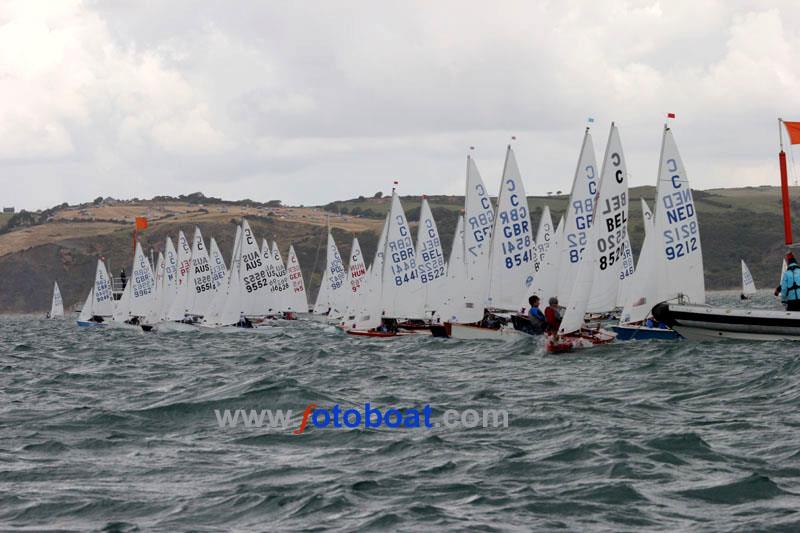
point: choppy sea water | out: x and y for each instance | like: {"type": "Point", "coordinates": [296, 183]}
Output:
{"type": "Point", "coordinates": [113, 429]}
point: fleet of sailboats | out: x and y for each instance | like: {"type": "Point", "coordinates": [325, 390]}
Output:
{"type": "Point", "coordinates": [583, 265]}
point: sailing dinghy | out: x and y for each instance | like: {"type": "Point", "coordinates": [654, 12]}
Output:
{"type": "Point", "coordinates": [332, 296]}
{"type": "Point", "coordinates": [98, 307]}
{"type": "Point", "coordinates": [137, 299]}
{"type": "Point", "coordinates": [57, 305]}
{"type": "Point", "coordinates": [748, 285]}
{"type": "Point", "coordinates": [671, 260]}
{"type": "Point", "coordinates": [510, 263]}
{"type": "Point", "coordinates": [597, 278]}
{"type": "Point", "coordinates": [298, 301]}
{"type": "Point", "coordinates": [399, 297]}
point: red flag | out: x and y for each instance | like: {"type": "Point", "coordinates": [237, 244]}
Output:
{"type": "Point", "coordinates": [670, 115]}
{"type": "Point", "coordinates": [794, 131]}
{"type": "Point", "coordinates": [141, 223]}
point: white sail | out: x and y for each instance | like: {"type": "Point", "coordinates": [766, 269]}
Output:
{"type": "Point", "coordinates": [103, 304]}
{"type": "Point", "coordinates": [177, 307]}
{"type": "Point", "coordinates": [332, 299]}
{"type": "Point", "coordinates": [512, 259]}
{"type": "Point", "coordinates": [169, 286]}
{"type": "Point", "coordinates": [122, 308]}
{"type": "Point", "coordinates": [201, 282]}
{"type": "Point", "coordinates": [356, 281]}
{"type": "Point", "coordinates": [279, 283]}
{"type": "Point", "coordinates": [577, 220]}
{"type": "Point", "coordinates": [478, 224]}
{"type": "Point", "coordinates": [454, 306]}
{"type": "Point", "coordinates": [626, 272]}
{"type": "Point", "coordinates": [253, 274]}
{"type": "Point", "coordinates": [86, 311]}
{"type": "Point", "coordinates": [236, 256]}
{"type": "Point", "coordinates": [748, 285]}
{"type": "Point", "coordinates": [323, 304]}
{"type": "Point", "coordinates": [153, 315]}
{"type": "Point", "coordinates": [545, 282]}
{"type": "Point", "coordinates": [142, 284]}
{"type": "Point", "coordinates": [430, 261]}
{"type": "Point", "coordinates": [597, 282]}
{"type": "Point", "coordinates": [401, 284]}
{"type": "Point", "coordinates": [544, 235]}
{"type": "Point", "coordinates": [611, 223]}
{"type": "Point", "coordinates": [642, 294]}
{"type": "Point", "coordinates": [370, 310]}
{"type": "Point", "coordinates": [298, 302]}
{"type": "Point", "coordinates": [218, 269]}
{"type": "Point", "coordinates": [648, 218]}
{"type": "Point", "coordinates": [226, 306]}
{"type": "Point", "coordinates": [57, 305]}
{"type": "Point", "coordinates": [681, 272]}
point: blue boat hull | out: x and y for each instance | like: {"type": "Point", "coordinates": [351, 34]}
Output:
{"type": "Point", "coordinates": [89, 324]}
{"type": "Point", "coordinates": [642, 333]}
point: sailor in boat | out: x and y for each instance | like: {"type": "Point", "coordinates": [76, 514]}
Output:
{"type": "Point", "coordinates": [553, 315]}
{"type": "Point", "coordinates": [535, 314]}
{"type": "Point", "coordinates": [790, 285]}
{"type": "Point", "coordinates": [123, 278]}
{"type": "Point", "coordinates": [244, 322]}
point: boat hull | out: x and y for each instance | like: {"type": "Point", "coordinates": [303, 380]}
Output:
{"type": "Point", "coordinates": [473, 332]}
{"type": "Point", "coordinates": [642, 333]}
{"type": "Point", "coordinates": [578, 340]}
{"type": "Point", "coordinates": [90, 324]}
{"type": "Point", "coordinates": [700, 323]}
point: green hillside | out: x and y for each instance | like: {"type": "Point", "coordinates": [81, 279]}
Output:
{"type": "Point", "coordinates": [735, 224]}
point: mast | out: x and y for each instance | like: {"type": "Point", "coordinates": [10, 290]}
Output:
{"type": "Point", "coordinates": [787, 214]}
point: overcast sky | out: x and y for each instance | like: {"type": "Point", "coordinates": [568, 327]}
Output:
{"type": "Point", "coordinates": [309, 102]}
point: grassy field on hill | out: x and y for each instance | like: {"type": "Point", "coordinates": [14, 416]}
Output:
{"type": "Point", "coordinates": [63, 244]}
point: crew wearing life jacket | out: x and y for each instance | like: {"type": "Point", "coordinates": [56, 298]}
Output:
{"type": "Point", "coordinates": [790, 285]}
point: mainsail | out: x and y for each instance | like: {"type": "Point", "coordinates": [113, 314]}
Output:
{"type": "Point", "coordinates": [298, 301]}
{"type": "Point", "coordinates": [512, 259]}
{"type": "Point", "coordinates": [681, 272]}
{"type": "Point", "coordinates": [578, 218]}
{"type": "Point", "coordinates": [142, 285]}
{"type": "Point", "coordinates": [332, 297]}
{"type": "Point", "coordinates": [218, 268]}
{"type": "Point", "coordinates": [57, 305]}
{"type": "Point", "coordinates": [356, 281]}
{"type": "Point", "coordinates": [102, 304]}
{"type": "Point", "coordinates": [748, 285]}
{"type": "Point", "coordinates": [478, 223]}
{"type": "Point", "coordinates": [400, 276]}
{"type": "Point", "coordinates": [597, 282]}
{"type": "Point", "coordinates": [544, 236]}
{"type": "Point", "coordinates": [430, 261]}
{"type": "Point", "coordinates": [280, 282]}
{"type": "Point", "coordinates": [252, 274]}
{"type": "Point", "coordinates": [454, 308]}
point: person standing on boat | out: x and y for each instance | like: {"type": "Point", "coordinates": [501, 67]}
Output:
{"type": "Point", "coordinates": [790, 285]}
{"type": "Point", "coordinates": [123, 277]}
{"type": "Point", "coordinates": [553, 316]}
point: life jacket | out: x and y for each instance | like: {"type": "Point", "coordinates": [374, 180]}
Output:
{"type": "Point", "coordinates": [791, 279]}
{"type": "Point", "coordinates": [536, 314]}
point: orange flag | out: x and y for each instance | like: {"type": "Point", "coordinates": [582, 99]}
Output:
{"type": "Point", "coordinates": [141, 223]}
{"type": "Point", "coordinates": [794, 131]}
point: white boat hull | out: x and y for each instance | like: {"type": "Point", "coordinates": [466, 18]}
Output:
{"type": "Point", "coordinates": [470, 332]}
{"type": "Point", "coordinates": [700, 323]}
